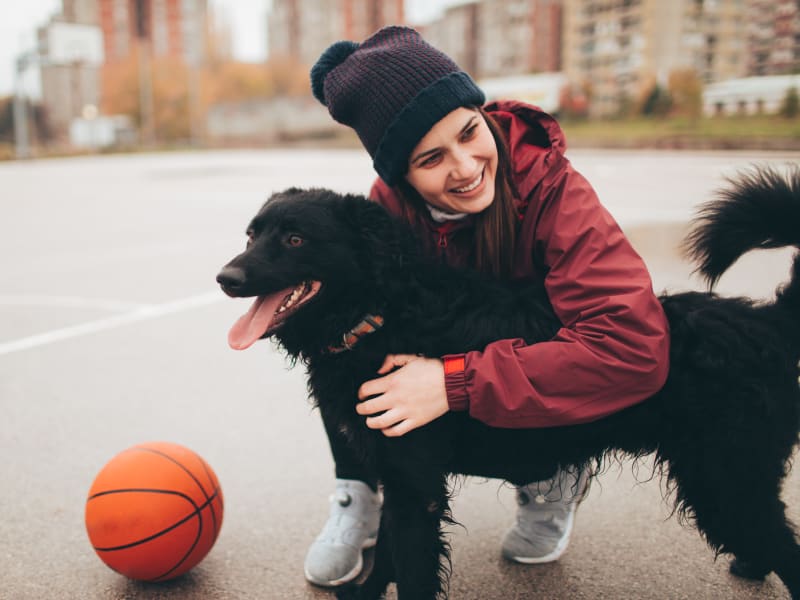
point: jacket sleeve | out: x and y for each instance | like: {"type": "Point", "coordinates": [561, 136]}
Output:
{"type": "Point", "coordinates": [612, 351]}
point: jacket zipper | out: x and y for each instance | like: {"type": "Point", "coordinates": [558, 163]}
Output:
{"type": "Point", "coordinates": [445, 230]}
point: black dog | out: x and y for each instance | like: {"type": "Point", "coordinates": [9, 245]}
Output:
{"type": "Point", "coordinates": [722, 429]}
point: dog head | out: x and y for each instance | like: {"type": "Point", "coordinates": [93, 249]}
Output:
{"type": "Point", "coordinates": [314, 260]}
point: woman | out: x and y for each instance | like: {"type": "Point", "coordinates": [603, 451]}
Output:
{"type": "Point", "coordinates": [488, 187]}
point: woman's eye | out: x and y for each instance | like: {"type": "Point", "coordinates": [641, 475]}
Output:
{"type": "Point", "coordinates": [469, 133]}
{"type": "Point", "coordinates": [295, 240]}
{"type": "Point", "coordinates": [430, 161]}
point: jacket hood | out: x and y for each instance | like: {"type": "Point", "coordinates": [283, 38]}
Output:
{"type": "Point", "coordinates": [536, 142]}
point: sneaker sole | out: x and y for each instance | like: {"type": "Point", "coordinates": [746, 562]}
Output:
{"type": "Point", "coordinates": [350, 576]}
{"type": "Point", "coordinates": [560, 548]}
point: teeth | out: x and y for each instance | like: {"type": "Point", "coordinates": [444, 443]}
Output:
{"type": "Point", "coordinates": [471, 186]}
{"type": "Point", "coordinates": [293, 297]}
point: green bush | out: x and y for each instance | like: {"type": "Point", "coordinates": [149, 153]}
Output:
{"type": "Point", "coordinates": [791, 104]}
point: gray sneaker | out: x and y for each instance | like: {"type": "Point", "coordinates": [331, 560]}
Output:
{"type": "Point", "coordinates": [335, 558]}
{"type": "Point", "coordinates": [545, 516]}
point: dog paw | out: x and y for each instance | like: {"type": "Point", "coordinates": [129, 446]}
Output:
{"type": "Point", "coordinates": [357, 592]}
{"type": "Point", "coordinates": [747, 570]}
{"type": "Point", "coordinates": [349, 592]}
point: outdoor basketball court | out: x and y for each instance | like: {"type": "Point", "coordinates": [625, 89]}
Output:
{"type": "Point", "coordinates": [113, 333]}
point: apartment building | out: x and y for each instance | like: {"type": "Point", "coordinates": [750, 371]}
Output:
{"type": "Point", "coordinates": [457, 34]}
{"type": "Point", "coordinates": [619, 48]}
{"type": "Point", "coordinates": [70, 64]}
{"type": "Point", "coordinates": [303, 29]}
{"type": "Point", "coordinates": [546, 24]}
{"type": "Point", "coordinates": [773, 37]}
{"type": "Point", "coordinates": [80, 11]}
{"type": "Point", "coordinates": [171, 28]}
{"type": "Point", "coordinates": [499, 38]}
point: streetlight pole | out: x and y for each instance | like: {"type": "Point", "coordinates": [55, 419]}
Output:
{"type": "Point", "coordinates": [21, 136]}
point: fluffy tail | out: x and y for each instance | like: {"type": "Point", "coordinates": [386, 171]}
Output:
{"type": "Point", "coordinates": [759, 209]}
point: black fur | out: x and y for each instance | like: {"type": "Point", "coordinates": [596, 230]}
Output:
{"type": "Point", "coordinates": [722, 429]}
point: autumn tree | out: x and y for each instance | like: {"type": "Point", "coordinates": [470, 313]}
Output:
{"type": "Point", "coordinates": [686, 91]}
{"type": "Point", "coordinates": [167, 80]}
{"type": "Point", "coordinates": [287, 77]}
{"type": "Point", "coordinates": [654, 101]}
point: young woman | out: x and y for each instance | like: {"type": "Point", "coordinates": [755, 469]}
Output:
{"type": "Point", "coordinates": [487, 187]}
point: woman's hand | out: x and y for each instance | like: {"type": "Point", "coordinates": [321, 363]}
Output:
{"type": "Point", "coordinates": [410, 397]}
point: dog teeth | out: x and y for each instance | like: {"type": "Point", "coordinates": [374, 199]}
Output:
{"type": "Point", "coordinates": [293, 298]}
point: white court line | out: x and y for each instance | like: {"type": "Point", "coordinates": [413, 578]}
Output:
{"type": "Point", "coordinates": [68, 302]}
{"type": "Point", "coordinates": [142, 313]}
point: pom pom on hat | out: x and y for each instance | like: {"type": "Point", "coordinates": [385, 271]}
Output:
{"type": "Point", "coordinates": [391, 89]}
{"type": "Point", "coordinates": [335, 55]}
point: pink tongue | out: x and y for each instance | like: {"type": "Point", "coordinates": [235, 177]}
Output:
{"type": "Point", "coordinates": [252, 325]}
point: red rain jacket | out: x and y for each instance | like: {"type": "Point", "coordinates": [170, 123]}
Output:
{"type": "Point", "coordinates": [612, 352]}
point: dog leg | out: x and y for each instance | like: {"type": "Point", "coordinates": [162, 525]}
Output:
{"type": "Point", "coordinates": [415, 508]}
{"type": "Point", "coordinates": [411, 548]}
{"type": "Point", "coordinates": [382, 573]}
{"type": "Point", "coordinates": [739, 512]}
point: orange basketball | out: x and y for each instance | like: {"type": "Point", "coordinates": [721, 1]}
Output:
{"type": "Point", "coordinates": [154, 511]}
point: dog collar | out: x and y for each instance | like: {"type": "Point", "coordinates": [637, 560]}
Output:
{"type": "Point", "coordinates": [367, 325]}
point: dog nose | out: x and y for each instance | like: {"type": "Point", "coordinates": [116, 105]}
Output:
{"type": "Point", "coordinates": [231, 278]}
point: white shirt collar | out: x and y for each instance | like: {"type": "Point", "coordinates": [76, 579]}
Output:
{"type": "Point", "coordinates": [441, 216]}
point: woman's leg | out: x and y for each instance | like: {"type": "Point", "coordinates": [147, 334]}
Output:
{"type": "Point", "coordinates": [335, 556]}
{"type": "Point", "coordinates": [545, 515]}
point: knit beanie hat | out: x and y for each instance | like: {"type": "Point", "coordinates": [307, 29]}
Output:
{"type": "Point", "coordinates": [391, 89]}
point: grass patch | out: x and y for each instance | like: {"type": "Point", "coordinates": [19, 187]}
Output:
{"type": "Point", "coordinates": [756, 132]}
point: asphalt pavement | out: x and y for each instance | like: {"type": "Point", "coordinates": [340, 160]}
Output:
{"type": "Point", "coordinates": [113, 333]}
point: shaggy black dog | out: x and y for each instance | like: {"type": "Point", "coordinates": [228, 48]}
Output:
{"type": "Point", "coordinates": [722, 429]}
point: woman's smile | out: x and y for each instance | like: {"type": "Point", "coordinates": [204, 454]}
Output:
{"type": "Point", "coordinates": [454, 166]}
{"type": "Point", "coordinates": [471, 186]}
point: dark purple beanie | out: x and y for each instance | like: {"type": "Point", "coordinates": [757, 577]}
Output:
{"type": "Point", "coordinates": [392, 88]}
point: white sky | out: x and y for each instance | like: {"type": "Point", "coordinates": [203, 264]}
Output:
{"type": "Point", "coordinates": [20, 18]}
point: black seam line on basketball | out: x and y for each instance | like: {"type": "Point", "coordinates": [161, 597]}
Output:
{"type": "Point", "coordinates": [187, 471]}
{"type": "Point", "coordinates": [195, 513]}
{"type": "Point", "coordinates": [147, 490]}
{"type": "Point", "coordinates": [197, 537]}
{"type": "Point", "coordinates": [207, 469]}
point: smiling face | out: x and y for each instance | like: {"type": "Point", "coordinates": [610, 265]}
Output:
{"type": "Point", "coordinates": [455, 165]}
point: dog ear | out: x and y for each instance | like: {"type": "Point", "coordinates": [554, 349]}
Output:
{"type": "Point", "coordinates": [386, 243]}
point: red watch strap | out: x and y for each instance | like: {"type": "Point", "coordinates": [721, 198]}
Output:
{"type": "Point", "coordinates": [453, 364]}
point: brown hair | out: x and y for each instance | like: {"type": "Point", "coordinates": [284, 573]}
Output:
{"type": "Point", "coordinates": [496, 225]}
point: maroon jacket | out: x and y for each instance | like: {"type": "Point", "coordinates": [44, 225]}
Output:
{"type": "Point", "coordinates": [613, 349]}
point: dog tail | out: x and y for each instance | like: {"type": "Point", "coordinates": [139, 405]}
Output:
{"type": "Point", "coordinates": [760, 209]}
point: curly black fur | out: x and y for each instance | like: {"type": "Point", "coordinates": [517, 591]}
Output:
{"type": "Point", "coordinates": [722, 429]}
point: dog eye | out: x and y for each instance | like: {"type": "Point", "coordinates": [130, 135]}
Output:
{"type": "Point", "coordinates": [294, 240]}
{"type": "Point", "coordinates": [250, 237]}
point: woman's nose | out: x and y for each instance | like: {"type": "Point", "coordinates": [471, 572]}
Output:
{"type": "Point", "coordinates": [463, 165]}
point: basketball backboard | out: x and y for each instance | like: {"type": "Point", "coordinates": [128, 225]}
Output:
{"type": "Point", "coordinates": [69, 43]}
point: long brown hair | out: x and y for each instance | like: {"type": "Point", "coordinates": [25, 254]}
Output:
{"type": "Point", "coordinates": [495, 226]}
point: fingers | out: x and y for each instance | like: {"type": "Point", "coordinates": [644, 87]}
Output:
{"type": "Point", "coordinates": [392, 361]}
{"type": "Point", "coordinates": [373, 387]}
{"type": "Point", "coordinates": [386, 420]}
{"type": "Point", "coordinates": [391, 424]}
{"type": "Point", "coordinates": [401, 428]}
{"type": "Point", "coordinates": [373, 406]}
